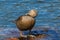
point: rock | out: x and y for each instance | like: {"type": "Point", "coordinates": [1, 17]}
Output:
{"type": "Point", "coordinates": [12, 39]}
{"type": "Point", "coordinates": [41, 36]}
{"type": "Point", "coordinates": [22, 38]}
{"type": "Point", "coordinates": [29, 37]}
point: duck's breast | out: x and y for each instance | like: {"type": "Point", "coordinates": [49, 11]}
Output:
{"type": "Point", "coordinates": [26, 22]}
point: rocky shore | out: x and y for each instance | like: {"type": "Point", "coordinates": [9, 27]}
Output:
{"type": "Point", "coordinates": [29, 37]}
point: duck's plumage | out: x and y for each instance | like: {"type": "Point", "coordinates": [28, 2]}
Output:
{"type": "Point", "coordinates": [25, 23]}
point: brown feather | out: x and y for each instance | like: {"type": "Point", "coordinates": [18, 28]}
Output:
{"type": "Point", "coordinates": [25, 23]}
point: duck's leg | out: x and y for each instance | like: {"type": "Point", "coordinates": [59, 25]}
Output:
{"type": "Point", "coordinates": [21, 34]}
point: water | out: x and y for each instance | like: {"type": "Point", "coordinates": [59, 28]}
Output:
{"type": "Point", "coordinates": [48, 15]}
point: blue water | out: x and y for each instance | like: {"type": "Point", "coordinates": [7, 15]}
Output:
{"type": "Point", "coordinates": [48, 16]}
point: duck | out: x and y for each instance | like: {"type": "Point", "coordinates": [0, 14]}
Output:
{"type": "Point", "coordinates": [26, 22]}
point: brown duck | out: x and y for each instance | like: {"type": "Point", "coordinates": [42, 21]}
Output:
{"type": "Point", "coordinates": [26, 22]}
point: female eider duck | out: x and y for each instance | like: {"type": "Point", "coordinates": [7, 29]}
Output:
{"type": "Point", "coordinates": [26, 22]}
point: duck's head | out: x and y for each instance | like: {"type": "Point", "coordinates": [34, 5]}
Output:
{"type": "Point", "coordinates": [32, 13]}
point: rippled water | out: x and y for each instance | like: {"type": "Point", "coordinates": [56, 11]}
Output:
{"type": "Point", "coordinates": [48, 14]}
